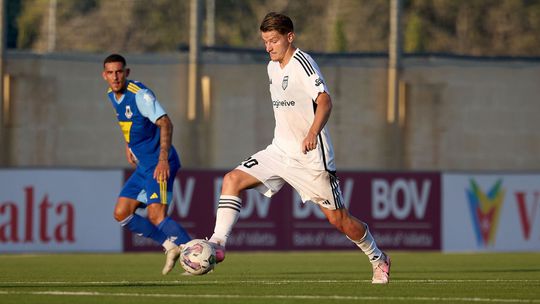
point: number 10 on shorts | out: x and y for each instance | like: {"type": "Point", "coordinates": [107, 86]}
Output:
{"type": "Point", "coordinates": [250, 162]}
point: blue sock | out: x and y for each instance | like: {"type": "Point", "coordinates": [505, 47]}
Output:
{"type": "Point", "coordinates": [174, 231]}
{"type": "Point", "coordinates": [140, 225]}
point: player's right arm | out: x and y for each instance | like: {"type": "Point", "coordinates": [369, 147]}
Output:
{"type": "Point", "coordinates": [324, 108]}
{"type": "Point", "coordinates": [130, 157]}
{"type": "Point", "coordinates": [316, 88]}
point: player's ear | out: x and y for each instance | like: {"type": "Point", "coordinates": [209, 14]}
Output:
{"type": "Point", "coordinates": [104, 75]}
{"type": "Point", "coordinates": [290, 37]}
{"type": "Point", "coordinates": [127, 72]}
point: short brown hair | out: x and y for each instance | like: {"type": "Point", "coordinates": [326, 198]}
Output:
{"type": "Point", "coordinates": [115, 58]}
{"type": "Point", "coordinates": [277, 22]}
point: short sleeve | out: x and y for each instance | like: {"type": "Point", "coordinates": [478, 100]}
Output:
{"type": "Point", "coordinates": [148, 105]}
{"type": "Point", "coordinates": [312, 78]}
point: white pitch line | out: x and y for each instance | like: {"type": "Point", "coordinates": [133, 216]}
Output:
{"type": "Point", "coordinates": [263, 282]}
{"type": "Point", "coordinates": [296, 297]}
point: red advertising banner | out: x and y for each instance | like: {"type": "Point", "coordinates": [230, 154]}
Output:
{"type": "Point", "coordinates": [402, 210]}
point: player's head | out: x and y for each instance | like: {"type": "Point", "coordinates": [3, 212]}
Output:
{"type": "Point", "coordinates": [115, 72]}
{"type": "Point", "coordinates": [277, 32]}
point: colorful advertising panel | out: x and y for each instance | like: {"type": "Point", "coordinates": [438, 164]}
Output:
{"type": "Point", "coordinates": [402, 210]}
{"type": "Point", "coordinates": [491, 212]}
{"type": "Point", "coordinates": [59, 211]}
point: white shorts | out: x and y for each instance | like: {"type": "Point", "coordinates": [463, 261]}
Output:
{"type": "Point", "coordinates": [274, 169]}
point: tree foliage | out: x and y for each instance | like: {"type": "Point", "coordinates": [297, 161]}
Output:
{"type": "Point", "coordinates": [479, 27]}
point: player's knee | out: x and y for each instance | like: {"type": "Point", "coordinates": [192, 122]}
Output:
{"type": "Point", "coordinates": [156, 213]}
{"type": "Point", "coordinates": [232, 182]}
{"type": "Point", "coordinates": [124, 208]}
{"type": "Point", "coordinates": [120, 214]}
{"type": "Point", "coordinates": [155, 219]}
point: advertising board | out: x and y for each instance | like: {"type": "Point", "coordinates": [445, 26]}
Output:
{"type": "Point", "coordinates": [491, 212]}
{"type": "Point", "coordinates": [401, 209]}
{"type": "Point", "coordinates": [59, 210]}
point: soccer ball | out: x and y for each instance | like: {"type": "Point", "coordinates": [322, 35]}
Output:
{"type": "Point", "coordinates": [198, 257]}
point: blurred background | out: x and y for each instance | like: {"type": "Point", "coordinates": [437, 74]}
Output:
{"type": "Point", "coordinates": [435, 118]}
{"type": "Point", "coordinates": [476, 28]}
{"type": "Point", "coordinates": [452, 85]}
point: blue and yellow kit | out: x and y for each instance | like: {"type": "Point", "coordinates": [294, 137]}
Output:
{"type": "Point", "coordinates": [137, 111]}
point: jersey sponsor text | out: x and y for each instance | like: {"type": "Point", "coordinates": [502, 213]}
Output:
{"type": "Point", "coordinates": [283, 103]}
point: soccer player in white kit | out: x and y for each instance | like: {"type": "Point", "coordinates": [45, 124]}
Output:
{"type": "Point", "coordinates": [301, 153]}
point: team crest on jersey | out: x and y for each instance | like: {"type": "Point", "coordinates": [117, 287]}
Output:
{"type": "Point", "coordinates": [129, 114]}
{"type": "Point", "coordinates": [285, 82]}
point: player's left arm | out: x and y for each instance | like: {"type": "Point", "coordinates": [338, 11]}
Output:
{"type": "Point", "coordinates": [150, 108]}
{"type": "Point", "coordinates": [162, 171]}
{"type": "Point", "coordinates": [322, 114]}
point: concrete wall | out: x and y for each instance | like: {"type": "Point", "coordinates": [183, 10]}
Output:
{"type": "Point", "coordinates": [469, 115]}
{"type": "Point", "coordinates": [461, 114]}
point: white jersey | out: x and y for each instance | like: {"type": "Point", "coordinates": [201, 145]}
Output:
{"type": "Point", "coordinates": [294, 90]}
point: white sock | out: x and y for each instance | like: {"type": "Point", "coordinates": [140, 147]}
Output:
{"type": "Point", "coordinates": [369, 247]}
{"type": "Point", "coordinates": [168, 245]}
{"type": "Point", "coordinates": [227, 215]}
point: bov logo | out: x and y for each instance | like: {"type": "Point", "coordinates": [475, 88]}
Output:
{"type": "Point", "coordinates": [485, 209]}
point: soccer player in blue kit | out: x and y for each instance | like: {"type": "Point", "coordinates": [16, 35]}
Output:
{"type": "Point", "coordinates": [148, 133]}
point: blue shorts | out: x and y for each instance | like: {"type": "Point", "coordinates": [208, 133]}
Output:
{"type": "Point", "coordinates": [142, 186]}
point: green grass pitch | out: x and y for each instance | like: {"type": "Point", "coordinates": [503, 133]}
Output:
{"type": "Point", "coordinates": [271, 277]}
